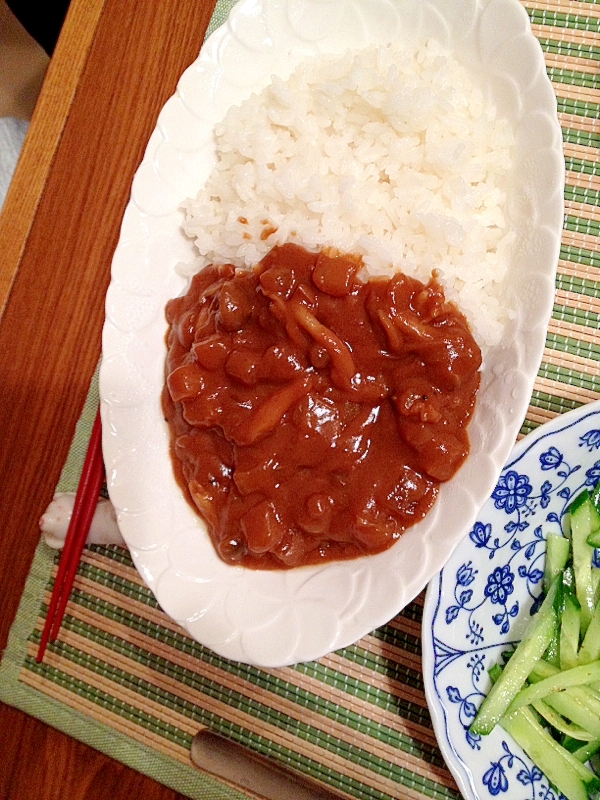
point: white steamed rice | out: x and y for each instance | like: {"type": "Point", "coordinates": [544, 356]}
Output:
{"type": "Point", "coordinates": [392, 155]}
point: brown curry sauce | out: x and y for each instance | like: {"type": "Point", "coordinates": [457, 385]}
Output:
{"type": "Point", "coordinates": [313, 416]}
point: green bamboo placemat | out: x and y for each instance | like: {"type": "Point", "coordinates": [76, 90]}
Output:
{"type": "Point", "coordinates": [128, 681]}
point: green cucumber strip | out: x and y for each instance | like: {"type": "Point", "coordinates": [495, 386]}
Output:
{"type": "Point", "coordinates": [568, 742]}
{"type": "Point", "coordinates": [590, 647]}
{"type": "Point", "coordinates": [554, 718]}
{"type": "Point", "coordinates": [542, 669]}
{"type": "Point", "coordinates": [559, 766]}
{"type": "Point", "coordinates": [566, 588]}
{"type": "Point", "coordinates": [571, 677]}
{"type": "Point", "coordinates": [586, 695]}
{"type": "Point", "coordinates": [565, 524]}
{"type": "Point", "coordinates": [568, 577]}
{"type": "Point", "coordinates": [595, 510]}
{"type": "Point", "coordinates": [595, 497]}
{"type": "Point", "coordinates": [581, 527]}
{"type": "Point", "coordinates": [594, 763]}
{"type": "Point", "coordinates": [586, 751]}
{"type": "Point", "coordinates": [570, 704]}
{"type": "Point", "coordinates": [557, 553]}
{"type": "Point", "coordinates": [594, 688]}
{"type": "Point", "coordinates": [570, 625]}
{"type": "Point", "coordinates": [552, 654]}
{"type": "Point", "coordinates": [596, 583]}
{"type": "Point", "coordinates": [583, 498]}
{"type": "Point", "coordinates": [527, 721]}
{"type": "Point", "coordinates": [530, 649]}
{"type": "Point", "coordinates": [594, 538]}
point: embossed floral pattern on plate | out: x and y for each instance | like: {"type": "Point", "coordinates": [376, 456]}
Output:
{"type": "Point", "coordinates": [478, 605]}
{"type": "Point", "coordinates": [276, 619]}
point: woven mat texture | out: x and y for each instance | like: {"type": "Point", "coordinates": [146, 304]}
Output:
{"type": "Point", "coordinates": [127, 680]}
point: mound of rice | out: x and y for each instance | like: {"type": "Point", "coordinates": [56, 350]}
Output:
{"type": "Point", "coordinates": [392, 155]}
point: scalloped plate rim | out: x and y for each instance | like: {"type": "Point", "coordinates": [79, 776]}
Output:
{"type": "Point", "coordinates": [354, 627]}
{"type": "Point", "coordinates": [442, 726]}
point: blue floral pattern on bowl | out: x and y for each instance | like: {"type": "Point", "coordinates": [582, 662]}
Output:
{"type": "Point", "coordinates": [478, 605]}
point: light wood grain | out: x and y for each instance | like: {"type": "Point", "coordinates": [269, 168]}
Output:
{"type": "Point", "coordinates": [48, 765]}
{"type": "Point", "coordinates": [114, 67]}
{"type": "Point", "coordinates": [49, 118]}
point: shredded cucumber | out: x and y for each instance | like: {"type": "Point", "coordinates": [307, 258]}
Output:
{"type": "Point", "coordinates": [529, 650]}
{"type": "Point", "coordinates": [547, 695]}
{"type": "Point", "coordinates": [569, 632]}
{"type": "Point", "coordinates": [572, 705]}
{"type": "Point", "coordinates": [542, 669]}
{"type": "Point", "coordinates": [590, 647]}
{"type": "Point", "coordinates": [581, 528]}
{"type": "Point", "coordinates": [557, 555]}
{"type": "Point", "coordinates": [594, 538]}
{"type": "Point", "coordinates": [560, 767]}
{"type": "Point", "coordinates": [577, 676]}
{"type": "Point", "coordinates": [570, 731]}
{"type": "Point", "coordinates": [595, 508]}
{"type": "Point", "coordinates": [586, 751]}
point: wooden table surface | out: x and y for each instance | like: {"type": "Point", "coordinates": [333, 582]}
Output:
{"type": "Point", "coordinates": [114, 67]}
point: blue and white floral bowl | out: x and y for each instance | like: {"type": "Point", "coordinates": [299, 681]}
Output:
{"type": "Point", "coordinates": [479, 604]}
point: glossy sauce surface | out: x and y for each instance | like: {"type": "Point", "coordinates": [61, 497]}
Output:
{"type": "Point", "coordinates": [313, 416]}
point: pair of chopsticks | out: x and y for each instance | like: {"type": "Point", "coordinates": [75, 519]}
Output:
{"type": "Point", "coordinates": [86, 499]}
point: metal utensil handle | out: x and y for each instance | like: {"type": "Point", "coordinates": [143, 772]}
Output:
{"type": "Point", "coordinates": [249, 770]}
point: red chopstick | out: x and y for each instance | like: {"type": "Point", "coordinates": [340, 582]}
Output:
{"type": "Point", "coordinates": [86, 499]}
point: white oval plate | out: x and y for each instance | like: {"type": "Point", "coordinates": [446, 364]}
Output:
{"type": "Point", "coordinates": [278, 618]}
{"type": "Point", "coordinates": [482, 599]}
